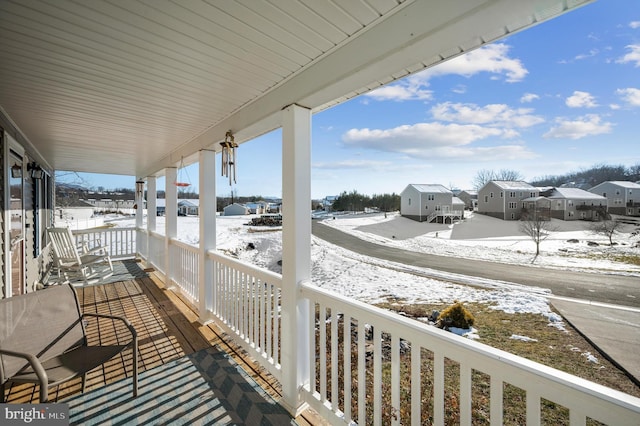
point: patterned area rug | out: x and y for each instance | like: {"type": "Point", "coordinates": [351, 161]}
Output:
{"type": "Point", "coordinates": [204, 388]}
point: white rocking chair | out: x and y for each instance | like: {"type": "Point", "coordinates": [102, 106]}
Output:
{"type": "Point", "coordinates": [72, 262]}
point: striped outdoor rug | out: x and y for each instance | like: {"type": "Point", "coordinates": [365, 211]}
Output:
{"type": "Point", "coordinates": [204, 388]}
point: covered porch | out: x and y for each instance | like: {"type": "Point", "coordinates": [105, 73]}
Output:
{"type": "Point", "coordinates": [138, 88]}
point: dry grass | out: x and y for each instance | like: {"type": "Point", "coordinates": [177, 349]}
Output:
{"type": "Point", "coordinates": [562, 350]}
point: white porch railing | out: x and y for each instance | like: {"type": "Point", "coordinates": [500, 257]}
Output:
{"type": "Point", "coordinates": [372, 366]}
{"type": "Point", "coordinates": [120, 241]}
{"type": "Point", "coordinates": [184, 268]}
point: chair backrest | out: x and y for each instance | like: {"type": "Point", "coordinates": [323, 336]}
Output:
{"type": "Point", "coordinates": [64, 245]}
{"type": "Point", "coordinates": [44, 323]}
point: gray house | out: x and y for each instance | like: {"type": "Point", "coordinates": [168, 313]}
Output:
{"type": "Point", "coordinates": [431, 203]}
{"type": "Point", "coordinates": [504, 199]}
{"type": "Point", "coordinates": [623, 197]}
{"type": "Point", "coordinates": [470, 198]}
{"type": "Point", "coordinates": [576, 203]}
{"type": "Point", "coordinates": [235, 209]}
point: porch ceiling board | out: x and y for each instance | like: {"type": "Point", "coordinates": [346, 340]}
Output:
{"type": "Point", "coordinates": [131, 86]}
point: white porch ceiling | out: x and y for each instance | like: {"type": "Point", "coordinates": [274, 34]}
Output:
{"type": "Point", "coordinates": [131, 86]}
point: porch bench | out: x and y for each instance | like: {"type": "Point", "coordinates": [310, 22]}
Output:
{"type": "Point", "coordinates": [43, 340]}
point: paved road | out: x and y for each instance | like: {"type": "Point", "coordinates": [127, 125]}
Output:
{"type": "Point", "coordinates": [596, 287]}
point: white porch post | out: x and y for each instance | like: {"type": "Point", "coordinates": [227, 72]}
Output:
{"type": "Point", "coordinates": [139, 203]}
{"type": "Point", "coordinates": [296, 252]}
{"type": "Point", "coordinates": [207, 216]}
{"type": "Point", "coordinates": [171, 220]}
{"type": "Point", "coordinates": [152, 213]}
{"type": "Point", "coordinates": [152, 205]}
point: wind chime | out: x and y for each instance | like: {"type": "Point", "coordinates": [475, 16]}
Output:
{"type": "Point", "coordinates": [229, 157]}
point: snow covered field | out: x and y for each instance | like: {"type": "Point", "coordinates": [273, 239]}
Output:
{"type": "Point", "coordinates": [479, 237]}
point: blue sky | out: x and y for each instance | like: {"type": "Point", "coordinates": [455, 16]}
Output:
{"type": "Point", "coordinates": [557, 98]}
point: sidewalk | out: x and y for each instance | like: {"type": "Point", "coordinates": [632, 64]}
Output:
{"type": "Point", "coordinates": [614, 330]}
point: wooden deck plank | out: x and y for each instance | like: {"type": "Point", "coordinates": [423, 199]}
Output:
{"type": "Point", "coordinates": [168, 328]}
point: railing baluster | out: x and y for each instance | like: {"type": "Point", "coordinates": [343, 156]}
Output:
{"type": "Point", "coordinates": [362, 370]}
{"type": "Point", "coordinates": [496, 395]}
{"type": "Point", "coordinates": [465, 394]}
{"type": "Point", "coordinates": [395, 379]}
{"type": "Point", "coordinates": [438, 388]}
{"type": "Point", "coordinates": [322, 323]}
{"type": "Point", "coordinates": [334, 360]}
{"type": "Point", "coordinates": [377, 376]}
{"type": "Point", "coordinates": [533, 407]}
{"type": "Point", "coordinates": [346, 350]}
{"type": "Point", "coordinates": [416, 385]}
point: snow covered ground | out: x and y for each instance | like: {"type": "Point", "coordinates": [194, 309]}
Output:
{"type": "Point", "coordinates": [479, 237]}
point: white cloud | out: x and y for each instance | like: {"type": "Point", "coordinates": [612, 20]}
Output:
{"type": "Point", "coordinates": [634, 24]}
{"type": "Point", "coordinates": [588, 125]}
{"type": "Point", "coordinates": [591, 54]}
{"type": "Point", "coordinates": [493, 59]}
{"type": "Point", "coordinates": [493, 114]}
{"type": "Point", "coordinates": [436, 141]}
{"type": "Point", "coordinates": [581, 100]}
{"type": "Point", "coordinates": [630, 95]}
{"type": "Point", "coordinates": [529, 97]}
{"type": "Point", "coordinates": [399, 92]}
{"type": "Point", "coordinates": [633, 56]}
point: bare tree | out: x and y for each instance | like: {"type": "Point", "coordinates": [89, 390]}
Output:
{"type": "Point", "coordinates": [606, 227]}
{"type": "Point", "coordinates": [537, 227]}
{"type": "Point", "coordinates": [510, 175]}
{"type": "Point", "coordinates": [484, 176]}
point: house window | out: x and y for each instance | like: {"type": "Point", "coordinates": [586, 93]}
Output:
{"type": "Point", "coordinates": [431, 197]}
{"type": "Point", "coordinates": [617, 192]}
{"type": "Point", "coordinates": [570, 214]}
{"type": "Point", "coordinates": [513, 205]}
{"type": "Point", "coordinates": [491, 194]}
{"type": "Point", "coordinates": [438, 208]}
{"type": "Point", "coordinates": [501, 194]}
{"type": "Point", "coordinates": [512, 194]}
{"type": "Point", "coordinates": [486, 199]}
{"type": "Point", "coordinates": [604, 194]}
{"type": "Point", "coordinates": [570, 202]}
{"type": "Point", "coordinates": [409, 202]}
{"type": "Point", "coordinates": [513, 215]}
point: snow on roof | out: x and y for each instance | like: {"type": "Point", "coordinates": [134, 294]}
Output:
{"type": "Point", "coordinates": [575, 194]}
{"type": "Point", "coordinates": [430, 188]}
{"type": "Point", "coordinates": [513, 184]}
{"type": "Point", "coordinates": [625, 184]}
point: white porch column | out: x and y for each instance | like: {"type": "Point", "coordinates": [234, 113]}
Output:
{"type": "Point", "coordinates": [296, 252]}
{"type": "Point", "coordinates": [207, 216]}
{"type": "Point", "coordinates": [152, 205]}
{"type": "Point", "coordinates": [139, 203]}
{"type": "Point", "coordinates": [171, 219]}
{"type": "Point", "coordinates": [152, 214]}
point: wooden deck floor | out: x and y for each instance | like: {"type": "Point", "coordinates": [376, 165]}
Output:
{"type": "Point", "coordinates": [167, 329]}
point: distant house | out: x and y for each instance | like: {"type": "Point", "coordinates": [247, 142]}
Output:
{"type": "Point", "coordinates": [623, 198]}
{"type": "Point", "coordinates": [259, 207]}
{"type": "Point", "coordinates": [431, 203]}
{"type": "Point", "coordinates": [502, 199]}
{"type": "Point", "coordinates": [235, 209]}
{"type": "Point", "coordinates": [327, 202]}
{"type": "Point", "coordinates": [188, 207]}
{"type": "Point", "coordinates": [470, 198]}
{"type": "Point", "coordinates": [575, 203]}
{"type": "Point", "coordinates": [160, 207]}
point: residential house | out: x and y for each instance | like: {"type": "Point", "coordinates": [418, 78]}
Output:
{"type": "Point", "coordinates": [503, 198]}
{"type": "Point", "coordinates": [161, 71]}
{"type": "Point", "coordinates": [576, 203]}
{"type": "Point", "coordinates": [431, 203]}
{"type": "Point", "coordinates": [188, 207]}
{"type": "Point", "coordinates": [327, 202]}
{"type": "Point", "coordinates": [623, 198]}
{"type": "Point", "coordinates": [470, 198]}
{"type": "Point", "coordinates": [258, 207]}
{"type": "Point", "coordinates": [235, 209]}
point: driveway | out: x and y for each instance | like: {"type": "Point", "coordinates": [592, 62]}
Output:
{"type": "Point", "coordinates": [592, 286]}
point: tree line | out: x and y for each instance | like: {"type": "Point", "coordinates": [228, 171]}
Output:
{"type": "Point", "coordinates": [354, 201]}
{"type": "Point", "coordinates": [592, 176]}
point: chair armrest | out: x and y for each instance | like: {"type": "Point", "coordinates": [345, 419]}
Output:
{"type": "Point", "coordinates": [126, 322]}
{"type": "Point", "coordinates": [35, 364]}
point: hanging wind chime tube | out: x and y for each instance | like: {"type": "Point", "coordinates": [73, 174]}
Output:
{"type": "Point", "coordinates": [229, 157]}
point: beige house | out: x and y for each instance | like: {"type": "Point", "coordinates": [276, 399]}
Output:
{"type": "Point", "coordinates": [576, 203]}
{"type": "Point", "coordinates": [623, 197]}
{"type": "Point", "coordinates": [430, 203]}
{"type": "Point", "coordinates": [503, 199]}
{"type": "Point", "coordinates": [470, 198]}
